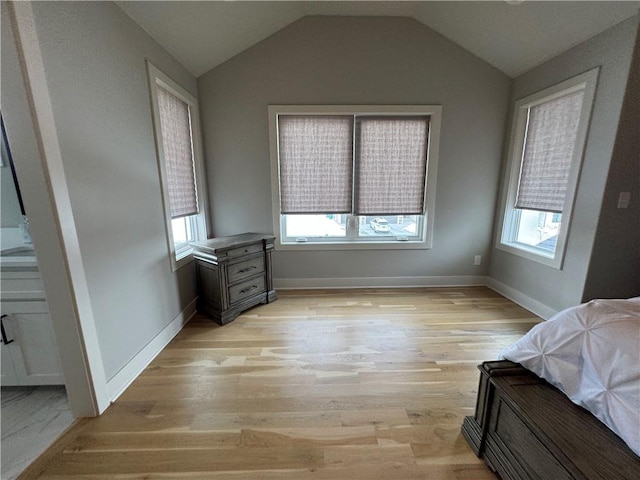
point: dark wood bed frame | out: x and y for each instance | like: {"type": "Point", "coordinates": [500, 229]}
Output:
{"type": "Point", "coordinates": [524, 428]}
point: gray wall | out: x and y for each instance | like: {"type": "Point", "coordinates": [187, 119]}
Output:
{"type": "Point", "coordinates": [94, 58]}
{"type": "Point", "coordinates": [612, 50]}
{"type": "Point", "coordinates": [614, 270]}
{"type": "Point", "coordinates": [359, 60]}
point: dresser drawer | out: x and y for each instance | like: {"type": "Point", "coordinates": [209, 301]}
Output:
{"type": "Point", "coordinates": [246, 289]}
{"type": "Point", "coordinates": [246, 250]}
{"type": "Point", "coordinates": [245, 269]}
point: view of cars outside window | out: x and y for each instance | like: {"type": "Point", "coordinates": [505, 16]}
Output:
{"type": "Point", "coordinates": [380, 225]}
{"type": "Point", "coordinates": [335, 225]}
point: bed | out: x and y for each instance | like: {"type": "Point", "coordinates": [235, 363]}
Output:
{"type": "Point", "coordinates": [564, 401]}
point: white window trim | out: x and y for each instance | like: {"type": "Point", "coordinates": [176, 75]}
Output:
{"type": "Point", "coordinates": [435, 114]}
{"type": "Point", "coordinates": [507, 222]}
{"type": "Point", "coordinates": [183, 250]}
{"type": "Point", "coordinates": [183, 255]}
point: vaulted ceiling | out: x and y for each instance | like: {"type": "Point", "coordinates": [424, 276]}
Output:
{"type": "Point", "coordinates": [512, 35]}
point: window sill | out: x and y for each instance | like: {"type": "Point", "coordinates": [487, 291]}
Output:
{"type": "Point", "coordinates": [182, 258]}
{"type": "Point", "coordinates": [533, 254]}
{"type": "Point", "coordinates": [395, 245]}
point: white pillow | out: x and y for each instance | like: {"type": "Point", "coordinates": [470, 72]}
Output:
{"type": "Point", "coordinates": [592, 354]}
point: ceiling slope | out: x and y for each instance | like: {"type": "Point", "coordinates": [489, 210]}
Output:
{"type": "Point", "coordinates": [513, 38]}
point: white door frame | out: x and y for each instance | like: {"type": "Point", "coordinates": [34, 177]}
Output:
{"type": "Point", "coordinates": [30, 124]}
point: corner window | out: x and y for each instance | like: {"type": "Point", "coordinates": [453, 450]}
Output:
{"type": "Point", "coordinates": [354, 176]}
{"type": "Point", "coordinates": [548, 138]}
{"type": "Point", "coordinates": [175, 120]}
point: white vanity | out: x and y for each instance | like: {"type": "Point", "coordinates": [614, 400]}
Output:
{"type": "Point", "coordinates": [29, 351]}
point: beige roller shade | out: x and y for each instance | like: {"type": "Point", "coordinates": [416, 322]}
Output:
{"type": "Point", "coordinates": [548, 152]}
{"type": "Point", "coordinates": [316, 163]}
{"type": "Point", "coordinates": [391, 165]}
{"type": "Point", "coordinates": [178, 154]}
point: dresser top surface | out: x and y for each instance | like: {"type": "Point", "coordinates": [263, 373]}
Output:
{"type": "Point", "coordinates": [221, 244]}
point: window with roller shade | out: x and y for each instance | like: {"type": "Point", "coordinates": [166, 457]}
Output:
{"type": "Point", "coordinates": [354, 175]}
{"type": "Point", "coordinates": [547, 146]}
{"type": "Point", "coordinates": [175, 117]}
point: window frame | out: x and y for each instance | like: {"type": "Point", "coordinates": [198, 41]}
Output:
{"type": "Point", "coordinates": [350, 242]}
{"type": "Point", "coordinates": [509, 217]}
{"type": "Point", "coordinates": [179, 254]}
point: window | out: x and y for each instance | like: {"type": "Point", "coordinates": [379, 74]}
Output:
{"type": "Point", "coordinates": [175, 119]}
{"type": "Point", "coordinates": [547, 145]}
{"type": "Point", "coordinates": [354, 176]}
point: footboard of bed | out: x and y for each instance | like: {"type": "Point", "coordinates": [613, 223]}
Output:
{"type": "Point", "coordinates": [525, 428]}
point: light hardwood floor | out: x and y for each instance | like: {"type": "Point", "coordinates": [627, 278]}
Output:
{"type": "Point", "coordinates": [325, 384]}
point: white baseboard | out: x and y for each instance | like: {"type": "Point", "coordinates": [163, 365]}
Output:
{"type": "Point", "coordinates": [380, 282]}
{"type": "Point", "coordinates": [121, 380]}
{"type": "Point", "coordinates": [512, 294]}
{"type": "Point", "coordinates": [521, 299]}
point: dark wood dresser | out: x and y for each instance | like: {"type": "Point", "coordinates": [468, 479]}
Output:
{"type": "Point", "coordinates": [234, 274]}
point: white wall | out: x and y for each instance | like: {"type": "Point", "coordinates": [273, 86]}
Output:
{"type": "Point", "coordinates": [94, 61]}
{"type": "Point", "coordinates": [359, 60]}
{"type": "Point", "coordinates": [611, 50]}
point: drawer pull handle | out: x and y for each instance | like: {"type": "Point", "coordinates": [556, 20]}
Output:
{"type": "Point", "coordinates": [253, 267]}
{"type": "Point", "coordinates": [246, 290]}
{"type": "Point", "coordinates": [5, 340]}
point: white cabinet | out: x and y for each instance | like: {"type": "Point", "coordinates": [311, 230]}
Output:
{"type": "Point", "coordinates": [9, 376]}
{"type": "Point", "coordinates": [30, 356]}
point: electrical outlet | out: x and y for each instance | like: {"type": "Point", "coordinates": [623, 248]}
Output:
{"type": "Point", "coordinates": [477, 260]}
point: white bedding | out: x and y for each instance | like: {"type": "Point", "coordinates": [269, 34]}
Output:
{"type": "Point", "coordinates": [592, 354]}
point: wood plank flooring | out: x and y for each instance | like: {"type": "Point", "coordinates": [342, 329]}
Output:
{"type": "Point", "coordinates": [324, 384]}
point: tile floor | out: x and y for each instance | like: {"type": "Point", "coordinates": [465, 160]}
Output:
{"type": "Point", "coordinates": [32, 418]}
